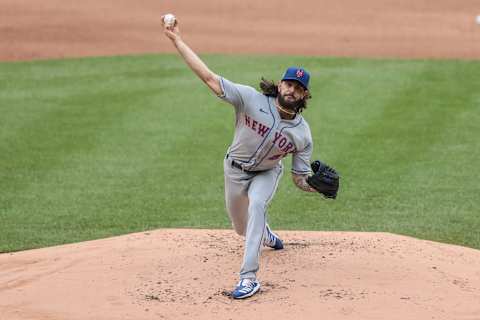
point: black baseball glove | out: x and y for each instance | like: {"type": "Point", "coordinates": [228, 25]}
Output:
{"type": "Point", "coordinates": [325, 179]}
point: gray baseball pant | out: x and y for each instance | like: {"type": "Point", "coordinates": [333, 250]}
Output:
{"type": "Point", "coordinates": [247, 196]}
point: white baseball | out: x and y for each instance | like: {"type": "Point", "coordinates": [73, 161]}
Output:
{"type": "Point", "coordinates": [169, 19]}
{"type": "Point", "coordinates": [478, 19]}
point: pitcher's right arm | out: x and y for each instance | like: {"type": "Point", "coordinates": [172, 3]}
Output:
{"type": "Point", "coordinates": [192, 60]}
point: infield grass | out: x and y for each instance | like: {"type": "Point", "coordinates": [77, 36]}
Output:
{"type": "Point", "coordinates": [96, 147]}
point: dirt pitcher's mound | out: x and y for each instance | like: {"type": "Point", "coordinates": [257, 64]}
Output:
{"type": "Point", "coordinates": [187, 274]}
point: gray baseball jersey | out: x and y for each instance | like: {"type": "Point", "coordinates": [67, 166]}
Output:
{"type": "Point", "coordinates": [261, 137]}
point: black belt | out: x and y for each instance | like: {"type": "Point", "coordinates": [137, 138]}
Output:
{"type": "Point", "coordinates": [237, 165]}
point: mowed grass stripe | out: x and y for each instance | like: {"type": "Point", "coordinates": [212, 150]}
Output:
{"type": "Point", "coordinates": [449, 171]}
{"type": "Point", "coordinates": [106, 146]}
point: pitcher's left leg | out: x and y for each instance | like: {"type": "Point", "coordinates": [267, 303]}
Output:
{"type": "Point", "coordinates": [260, 193]}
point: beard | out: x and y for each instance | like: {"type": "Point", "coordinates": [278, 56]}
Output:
{"type": "Point", "coordinates": [291, 105]}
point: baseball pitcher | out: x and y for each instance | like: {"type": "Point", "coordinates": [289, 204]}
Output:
{"type": "Point", "coordinates": [269, 126]}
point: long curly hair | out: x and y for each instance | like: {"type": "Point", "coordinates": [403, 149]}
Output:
{"type": "Point", "coordinates": [270, 89]}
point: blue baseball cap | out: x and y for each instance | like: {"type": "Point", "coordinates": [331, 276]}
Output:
{"type": "Point", "coordinates": [297, 74]}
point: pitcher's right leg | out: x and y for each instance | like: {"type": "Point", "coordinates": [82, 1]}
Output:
{"type": "Point", "coordinates": [236, 197]}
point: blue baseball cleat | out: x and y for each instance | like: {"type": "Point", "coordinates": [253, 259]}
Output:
{"type": "Point", "coordinates": [272, 240]}
{"type": "Point", "coordinates": [246, 288]}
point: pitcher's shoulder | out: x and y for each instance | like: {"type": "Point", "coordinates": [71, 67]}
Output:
{"type": "Point", "coordinates": [306, 128]}
{"type": "Point", "coordinates": [303, 122]}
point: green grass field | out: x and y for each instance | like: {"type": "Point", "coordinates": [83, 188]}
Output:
{"type": "Point", "coordinates": [96, 147]}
